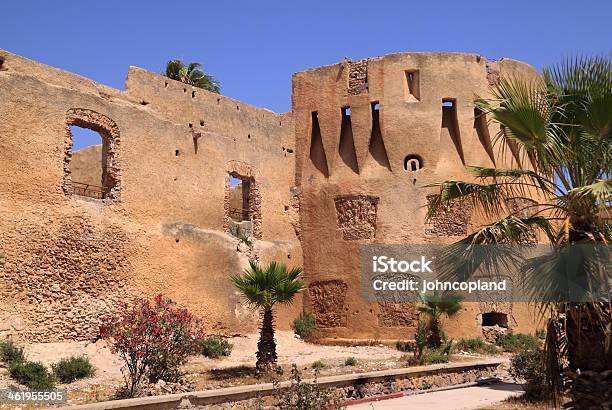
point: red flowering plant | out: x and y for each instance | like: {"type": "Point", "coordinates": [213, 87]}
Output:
{"type": "Point", "coordinates": [153, 338]}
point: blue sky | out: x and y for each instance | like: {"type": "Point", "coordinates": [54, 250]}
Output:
{"type": "Point", "coordinates": [254, 47]}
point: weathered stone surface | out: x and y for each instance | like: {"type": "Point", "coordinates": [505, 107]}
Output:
{"type": "Point", "coordinates": [451, 220]}
{"type": "Point", "coordinates": [397, 315]}
{"type": "Point", "coordinates": [357, 216]}
{"type": "Point", "coordinates": [358, 77]}
{"type": "Point", "coordinates": [168, 151]}
{"type": "Point", "coordinates": [328, 302]}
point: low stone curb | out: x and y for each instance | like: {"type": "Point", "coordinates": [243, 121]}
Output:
{"type": "Point", "coordinates": [238, 393]}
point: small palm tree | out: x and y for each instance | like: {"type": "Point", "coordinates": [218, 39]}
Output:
{"type": "Point", "coordinates": [559, 129]}
{"type": "Point", "coordinates": [435, 305]}
{"type": "Point", "coordinates": [263, 288]}
{"type": "Point", "coordinates": [192, 74]}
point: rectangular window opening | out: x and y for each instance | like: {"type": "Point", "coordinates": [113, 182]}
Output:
{"type": "Point", "coordinates": [239, 198]}
{"type": "Point", "coordinates": [88, 163]}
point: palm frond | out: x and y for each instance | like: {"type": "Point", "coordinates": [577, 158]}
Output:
{"type": "Point", "coordinates": [264, 287]}
{"type": "Point", "coordinates": [526, 176]}
{"type": "Point", "coordinates": [488, 197]}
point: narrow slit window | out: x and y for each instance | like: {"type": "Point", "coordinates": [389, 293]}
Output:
{"type": "Point", "coordinates": [239, 198]}
{"type": "Point", "coordinates": [412, 86]}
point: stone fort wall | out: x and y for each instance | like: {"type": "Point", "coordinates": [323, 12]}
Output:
{"type": "Point", "coordinates": [66, 259]}
{"type": "Point", "coordinates": [347, 166]}
{"type": "Point", "coordinates": [371, 135]}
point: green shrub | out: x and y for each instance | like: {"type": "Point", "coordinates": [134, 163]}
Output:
{"type": "Point", "coordinates": [215, 346]}
{"type": "Point", "coordinates": [528, 365]}
{"type": "Point", "coordinates": [318, 365]}
{"type": "Point", "coordinates": [10, 352]}
{"type": "Point", "coordinates": [435, 356]}
{"type": "Point", "coordinates": [73, 368]}
{"type": "Point", "coordinates": [304, 324]}
{"type": "Point", "coordinates": [476, 345]}
{"type": "Point", "coordinates": [304, 396]}
{"type": "Point", "coordinates": [237, 232]}
{"type": "Point", "coordinates": [447, 347]}
{"type": "Point", "coordinates": [350, 361]}
{"type": "Point", "coordinates": [33, 375]}
{"type": "Point", "coordinates": [513, 343]}
{"type": "Point", "coordinates": [403, 346]}
{"type": "Point", "coordinates": [421, 337]}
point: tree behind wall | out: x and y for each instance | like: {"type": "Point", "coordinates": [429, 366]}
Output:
{"type": "Point", "coordinates": [192, 74]}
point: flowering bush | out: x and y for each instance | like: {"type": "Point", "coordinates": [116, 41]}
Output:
{"type": "Point", "coordinates": [153, 338]}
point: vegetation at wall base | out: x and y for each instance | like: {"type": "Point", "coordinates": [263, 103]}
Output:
{"type": "Point", "coordinates": [10, 352]}
{"type": "Point", "coordinates": [476, 345]}
{"type": "Point", "coordinates": [73, 368]}
{"type": "Point", "coordinates": [304, 324]}
{"type": "Point", "coordinates": [215, 346]}
{"type": "Point", "coordinates": [34, 375]}
{"type": "Point", "coordinates": [528, 365]}
{"type": "Point", "coordinates": [516, 342]}
{"type": "Point", "coordinates": [238, 233]}
{"type": "Point", "coordinates": [435, 305]}
{"type": "Point", "coordinates": [153, 338]}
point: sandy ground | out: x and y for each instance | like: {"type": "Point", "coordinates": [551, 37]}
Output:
{"type": "Point", "coordinates": [204, 373]}
{"type": "Point", "coordinates": [290, 349]}
{"type": "Point", "coordinates": [209, 373]}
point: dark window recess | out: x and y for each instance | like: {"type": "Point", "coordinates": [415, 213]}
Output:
{"type": "Point", "coordinates": [495, 319]}
{"type": "Point", "coordinates": [412, 87]}
{"type": "Point", "coordinates": [377, 145]}
{"type": "Point", "coordinates": [482, 130]}
{"type": "Point", "coordinates": [413, 162]}
{"type": "Point", "coordinates": [317, 151]}
{"type": "Point", "coordinates": [346, 148]}
{"type": "Point", "coordinates": [450, 124]}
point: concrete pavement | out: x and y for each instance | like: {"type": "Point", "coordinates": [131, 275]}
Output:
{"type": "Point", "coordinates": [456, 399]}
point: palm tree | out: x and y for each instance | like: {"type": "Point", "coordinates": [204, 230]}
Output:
{"type": "Point", "coordinates": [435, 305]}
{"type": "Point", "coordinates": [192, 75]}
{"type": "Point", "coordinates": [263, 288]}
{"type": "Point", "coordinates": [559, 129]}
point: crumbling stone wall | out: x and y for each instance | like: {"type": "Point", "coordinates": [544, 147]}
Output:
{"type": "Point", "coordinates": [67, 259]}
{"type": "Point", "coordinates": [62, 280]}
{"type": "Point", "coordinates": [358, 77]}
{"type": "Point", "coordinates": [450, 220]}
{"type": "Point", "coordinates": [356, 216]}
{"type": "Point", "coordinates": [398, 314]}
{"type": "Point", "coordinates": [170, 150]}
{"type": "Point", "coordinates": [328, 302]}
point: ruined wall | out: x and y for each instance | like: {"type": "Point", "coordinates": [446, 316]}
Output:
{"type": "Point", "coordinates": [86, 165]}
{"type": "Point", "coordinates": [348, 166]}
{"type": "Point", "coordinates": [67, 259]}
{"type": "Point", "coordinates": [370, 136]}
